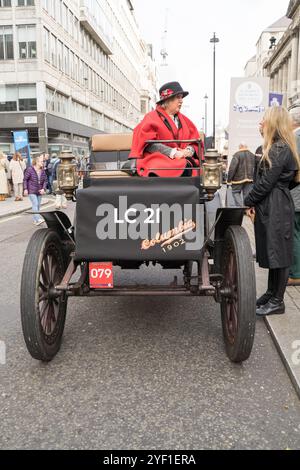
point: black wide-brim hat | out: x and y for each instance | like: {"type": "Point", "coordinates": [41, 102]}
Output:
{"type": "Point", "coordinates": [168, 90]}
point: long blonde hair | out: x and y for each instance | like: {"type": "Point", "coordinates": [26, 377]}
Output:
{"type": "Point", "coordinates": [278, 125]}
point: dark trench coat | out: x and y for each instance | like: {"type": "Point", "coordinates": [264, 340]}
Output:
{"type": "Point", "coordinates": [274, 220]}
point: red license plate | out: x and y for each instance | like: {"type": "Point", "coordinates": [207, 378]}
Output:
{"type": "Point", "coordinates": [101, 275]}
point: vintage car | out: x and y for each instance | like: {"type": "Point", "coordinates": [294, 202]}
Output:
{"type": "Point", "coordinates": [125, 220]}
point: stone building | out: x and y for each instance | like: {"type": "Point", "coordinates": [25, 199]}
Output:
{"type": "Point", "coordinates": [264, 46]}
{"type": "Point", "coordinates": [283, 65]}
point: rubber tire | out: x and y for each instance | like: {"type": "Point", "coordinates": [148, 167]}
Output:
{"type": "Point", "coordinates": [236, 239]}
{"type": "Point", "coordinates": [33, 333]}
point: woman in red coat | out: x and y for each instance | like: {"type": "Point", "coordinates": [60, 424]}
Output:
{"type": "Point", "coordinates": [166, 123]}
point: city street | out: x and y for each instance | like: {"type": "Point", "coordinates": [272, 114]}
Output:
{"type": "Point", "coordinates": [137, 373]}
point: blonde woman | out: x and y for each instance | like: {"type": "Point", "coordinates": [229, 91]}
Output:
{"type": "Point", "coordinates": [17, 167]}
{"type": "Point", "coordinates": [3, 177]}
{"type": "Point", "coordinates": [271, 200]}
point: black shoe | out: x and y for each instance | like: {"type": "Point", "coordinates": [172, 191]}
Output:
{"type": "Point", "coordinates": [264, 298]}
{"type": "Point", "coordinates": [272, 307]}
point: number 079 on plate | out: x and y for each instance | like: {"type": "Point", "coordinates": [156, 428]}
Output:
{"type": "Point", "coordinates": [101, 275]}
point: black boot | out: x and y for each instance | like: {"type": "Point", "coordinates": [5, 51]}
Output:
{"type": "Point", "coordinates": [272, 307]}
{"type": "Point", "coordinates": [264, 298]}
{"type": "Point", "coordinates": [271, 289]}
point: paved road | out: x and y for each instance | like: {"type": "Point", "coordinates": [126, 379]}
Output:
{"type": "Point", "coordinates": [137, 373]}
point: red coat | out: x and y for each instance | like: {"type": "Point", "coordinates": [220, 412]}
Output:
{"type": "Point", "coordinates": [158, 125]}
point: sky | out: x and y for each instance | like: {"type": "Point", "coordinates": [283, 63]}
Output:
{"type": "Point", "coordinates": [191, 23]}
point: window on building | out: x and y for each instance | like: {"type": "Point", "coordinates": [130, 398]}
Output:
{"type": "Point", "coordinates": [6, 43]}
{"type": "Point", "coordinates": [80, 67]}
{"type": "Point", "coordinates": [65, 17]}
{"type": "Point", "coordinates": [46, 45]}
{"type": "Point", "coordinates": [5, 3]}
{"type": "Point", "coordinates": [8, 98]}
{"type": "Point", "coordinates": [76, 28]}
{"type": "Point", "coordinates": [27, 98]}
{"type": "Point", "coordinates": [71, 23]}
{"type": "Point", "coordinates": [53, 50]}
{"type": "Point", "coordinates": [25, 3]}
{"type": "Point", "coordinates": [72, 70]}
{"type": "Point", "coordinates": [60, 49]}
{"type": "Point", "coordinates": [27, 42]}
{"type": "Point", "coordinates": [76, 68]}
{"type": "Point", "coordinates": [58, 11]}
{"type": "Point", "coordinates": [66, 60]}
{"type": "Point", "coordinates": [56, 102]}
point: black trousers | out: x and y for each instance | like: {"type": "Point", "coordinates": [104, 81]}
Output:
{"type": "Point", "coordinates": [277, 282]}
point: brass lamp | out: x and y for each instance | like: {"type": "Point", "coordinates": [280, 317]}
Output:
{"type": "Point", "coordinates": [67, 176]}
{"type": "Point", "coordinates": [212, 179]}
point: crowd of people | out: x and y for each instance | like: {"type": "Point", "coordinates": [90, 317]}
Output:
{"type": "Point", "coordinates": [20, 179]}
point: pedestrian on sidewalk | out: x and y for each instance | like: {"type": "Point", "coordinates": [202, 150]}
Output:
{"type": "Point", "coordinates": [294, 279]}
{"type": "Point", "coordinates": [3, 177]}
{"type": "Point", "coordinates": [17, 167]}
{"type": "Point", "coordinates": [35, 183]}
{"type": "Point", "coordinates": [47, 168]}
{"type": "Point", "coordinates": [271, 200]}
{"type": "Point", "coordinates": [240, 174]}
{"type": "Point", "coordinates": [4, 166]}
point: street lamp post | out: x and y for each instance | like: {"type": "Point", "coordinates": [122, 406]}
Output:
{"type": "Point", "coordinates": [214, 40]}
{"type": "Point", "coordinates": [206, 98]}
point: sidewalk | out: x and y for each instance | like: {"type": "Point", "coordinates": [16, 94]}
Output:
{"type": "Point", "coordinates": [11, 207]}
{"type": "Point", "coordinates": [284, 329]}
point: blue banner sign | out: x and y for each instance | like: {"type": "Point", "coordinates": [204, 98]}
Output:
{"type": "Point", "coordinates": [275, 99]}
{"type": "Point", "coordinates": [21, 144]}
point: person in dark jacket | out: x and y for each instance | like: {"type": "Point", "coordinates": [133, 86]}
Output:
{"type": "Point", "coordinates": [272, 203]}
{"type": "Point", "coordinates": [35, 184]}
{"type": "Point", "coordinates": [240, 174]}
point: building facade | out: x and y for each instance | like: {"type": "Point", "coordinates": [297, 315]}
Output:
{"type": "Point", "coordinates": [70, 69]}
{"type": "Point", "coordinates": [264, 47]}
{"type": "Point", "coordinates": [283, 65]}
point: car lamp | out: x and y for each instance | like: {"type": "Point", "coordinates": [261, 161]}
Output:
{"type": "Point", "coordinates": [212, 171]}
{"type": "Point", "coordinates": [67, 176]}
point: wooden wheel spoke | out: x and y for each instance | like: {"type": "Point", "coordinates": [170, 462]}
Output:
{"type": "Point", "coordinates": [42, 295]}
{"type": "Point", "coordinates": [57, 278]}
{"type": "Point", "coordinates": [53, 267]}
{"type": "Point", "coordinates": [46, 266]}
{"type": "Point", "coordinates": [44, 276]}
{"type": "Point", "coordinates": [54, 313]}
{"type": "Point", "coordinates": [44, 309]}
{"type": "Point", "coordinates": [42, 286]}
{"type": "Point", "coordinates": [43, 314]}
{"type": "Point", "coordinates": [49, 319]}
{"type": "Point", "coordinates": [50, 265]}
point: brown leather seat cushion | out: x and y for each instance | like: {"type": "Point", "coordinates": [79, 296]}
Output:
{"type": "Point", "coordinates": [109, 174]}
{"type": "Point", "coordinates": [111, 142]}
